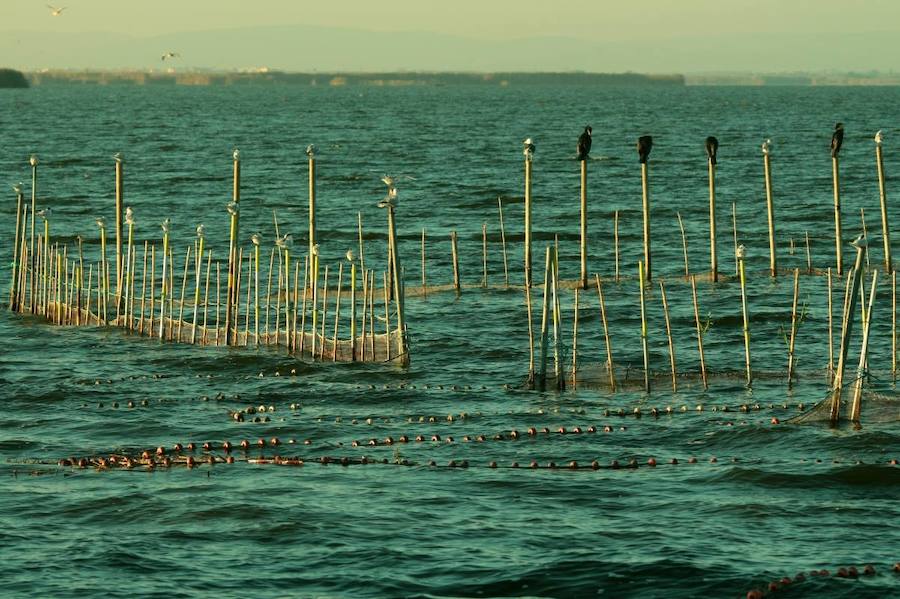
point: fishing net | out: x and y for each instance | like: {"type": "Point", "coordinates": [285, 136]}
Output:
{"type": "Point", "coordinates": [875, 407]}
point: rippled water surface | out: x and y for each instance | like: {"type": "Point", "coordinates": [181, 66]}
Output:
{"type": "Point", "coordinates": [777, 499]}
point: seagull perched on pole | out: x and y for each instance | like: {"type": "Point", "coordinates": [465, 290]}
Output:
{"type": "Point", "coordinates": [837, 139]}
{"type": "Point", "coordinates": [200, 229]}
{"type": "Point", "coordinates": [118, 157]}
{"type": "Point", "coordinates": [351, 257]}
{"type": "Point", "coordinates": [284, 240]}
{"type": "Point", "coordinates": [101, 222]}
{"type": "Point", "coordinates": [860, 242]}
{"type": "Point", "coordinates": [45, 213]}
{"type": "Point", "coordinates": [129, 217]}
{"type": "Point", "coordinates": [311, 151]}
{"type": "Point", "coordinates": [232, 208]}
{"type": "Point", "coordinates": [255, 239]}
{"type": "Point", "coordinates": [767, 147]}
{"type": "Point", "coordinates": [55, 12]}
{"type": "Point", "coordinates": [528, 150]}
{"type": "Point", "coordinates": [584, 144]}
{"type": "Point", "coordinates": [878, 138]}
{"type": "Point", "coordinates": [17, 189]}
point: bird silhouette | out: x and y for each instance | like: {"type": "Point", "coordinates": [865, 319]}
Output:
{"type": "Point", "coordinates": [837, 139]}
{"type": "Point", "coordinates": [350, 255]}
{"type": "Point", "coordinates": [170, 56]}
{"type": "Point", "coordinates": [644, 146]}
{"type": "Point", "coordinates": [879, 137]}
{"type": "Point", "coordinates": [33, 160]}
{"type": "Point", "coordinates": [712, 147]}
{"type": "Point", "coordinates": [255, 239]}
{"type": "Point", "coordinates": [232, 208]}
{"type": "Point", "coordinates": [859, 242]}
{"type": "Point", "coordinates": [101, 222]}
{"type": "Point", "coordinates": [45, 213]}
{"type": "Point", "coordinates": [284, 240]}
{"type": "Point", "coordinates": [311, 150]}
{"type": "Point", "coordinates": [767, 147]}
{"type": "Point", "coordinates": [528, 150]}
{"type": "Point", "coordinates": [584, 144]}
{"type": "Point", "coordinates": [129, 217]}
{"type": "Point", "coordinates": [55, 12]}
{"type": "Point", "coordinates": [200, 230]}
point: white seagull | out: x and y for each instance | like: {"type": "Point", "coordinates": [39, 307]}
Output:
{"type": "Point", "coordinates": [350, 256]}
{"type": "Point", "coordinates": [283, 241]}
{"type": "Point", "coordinates": [767, 147]}
{"type": "Point", "coordinates": [311, 150]}
{"type": "Point", "coordinates": [315, 249]}
{"type": "Point", "coordinates": [879, 138]}
{"type": "Point", "coordinates": [101, 222]}
{"type": "Point", "coordinates": [255, 238]}
{"type": "Point", "coordinates": [170, 56]}
{"type": "Point", "coordinates": [45, 213]}
{"type": "Point", "coordinates": [200, 229]}
{"type": "Point", "coordinates": [232, 208]}
{"type": "Point", "coordinates": [129, 217]}
{"type": "Point", "coordinates": [55, 12]}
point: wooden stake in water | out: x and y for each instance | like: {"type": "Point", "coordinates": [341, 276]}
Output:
{"type": "Point", "coordinates": [809, 268]}
{"type": "Point", "coordinates": [233, 265]}
{"type": "Point", "coordinates": [610, 369]}
{"type": "Point", "coordinates": [734, 231]}
{"type": "Point", "coordinates": [152, 289]}
{"type": "Point", "coordinates": [846, 332]}
{"type": "Point", "coordinates": [744, 313]}
{"type": "Point", "coordinates": [362, 257]}
{"type": "Point", "coordinates": [665, 303]}
{"type": "Point", "coordinates": [894, 324]}
{"type": "Point", "coordinates": [143, 288]}
{"type": "Point", "coordinates": [198, 265]}
{"type": "Point", "coordinates": [164, 283]}
{"type": "Point", "coordinates": [293, 343]}
{"type": "Point", "coordinates": [644, 348]}
{"type": "Point", "coordinates": [187, 262]}
{"type": "Point", "coordinates": [865, 233]}
{"type": "Point", "coordinates": [531, 369]}
{"type": "Point", "coordinates": [325, 314]}
{"type": "Point", "coordinates": [770, 207]}
{"type": "Point", "coordinates": [503, 242]}
{"type": "Point", "coordinates": [712, 147]}
{"type": "Point", "coordinates": [861, 372]}
{"type": "Point", "coordinates": [120, 193]}
{"type": "Point", "coordinates": [424, 284]}
{"type": "Point", "coordinates": [484, 277]}
{"type": "Point", "coordinates": [13, 292]}
{"type": "Point", "coordinates": [699, 333]}
{"type": "Point", "coordinates": [559, 382]}
{"type": "Point", "coordinates": [311, 157]}
{"type": "Point", "coordinates": [575, 343]}
{"type": "Point", "coordinates": [885, 229]}
{"type": "Point", "coordinates": [337, 313]}
{"type": "Point", "coordinates": [687, 269]}
{"type": "Point", "coordinates": [247, 302]}
{"type": "Point", "coordinates": [837, 139]}
{"type": "Point", "coordinates": [33, 161]}
{"type": "Point", "coordinates": [353, 345]}
{"type": "Point", "coordinates": [455, 257]}
{"type": "Point", "coordinates": [545, 306]}
{"type": "Point", "coordinates": [616, 242]}
{"type": "Point", "coordinates": [219, 297]}
{"type": "Point", "coordinates": [794, 323]}
{"type": "Point", "coordinates": [529, 155]}
{"type": "Point", "coordinates": [644, 145]}
{"type": "Point", "coordinates": [584, 219]}
{"type": "Point", "coordinates": [830, 329]}
{"type": "Point", "coordinates": [206, 298]}
{"type": "Point", "coordinates": [269, 290]}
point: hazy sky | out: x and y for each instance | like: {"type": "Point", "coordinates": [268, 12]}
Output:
{"type": "Point", "coordinates": [643, 24]}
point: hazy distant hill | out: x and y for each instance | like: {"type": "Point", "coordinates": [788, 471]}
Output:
{"type": "Point", "coordinates": [11, 78]}
{"type": "Point", "coordinates": [304, 48]}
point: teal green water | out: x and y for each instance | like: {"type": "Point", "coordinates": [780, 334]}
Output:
{"type": "Point", "coordinates": [777, 500]}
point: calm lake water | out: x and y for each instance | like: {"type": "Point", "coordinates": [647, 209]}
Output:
{"type": "Point", "coordinates": [777, 500]}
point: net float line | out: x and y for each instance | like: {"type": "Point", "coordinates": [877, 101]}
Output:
{"type": "Point", "coordinates": [803, 579]}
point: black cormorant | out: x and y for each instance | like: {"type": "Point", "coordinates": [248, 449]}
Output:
{"type": "Point", "coordinates": [837, 138]}
{"type": "Point", "coordinates": [584, 144]}
{"type": "Point", "coordinates": [712, 146]}
{"type": "Point", "coordinates": [644, 145]}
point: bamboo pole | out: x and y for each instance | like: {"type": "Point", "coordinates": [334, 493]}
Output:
{"type": "Point", "coordinates": [365, 311]}
{"type": "Point", "coordinates": [644, 348]}
{"type": "Point", "coordinates": [712, 146]}
{"type": "Point", "coordinates": [894, 324]}
{"type": "Point", "coordinates": [24, 261]}
{"type": "Point", "coordinates": [809, 268]}
{"type": "Point", "coordinates": [885, 229]}
{"type": "Point", "coordinates": [33, 161]}
{"type": "Point", "coordinates": [164, 282]}
{"type": "Point", "coordinates": [205, 338]}
{"type": "Point", "coordinates": [120, 194]}
{"type": "Point", "coordinates": [645, 144]}
{"type": "Point", "coordinates": [172, 294]}
{"type": "Point", "coordinates": [311, 158]}
{"type": "Point", "coordinates": [794, 323]}
{"type": "Point", "coordinates": [530, 337]}
{"type": "Point", "coordinates": [836, 181]}
{"type": "Point", "coordinates": [424, 284]}
{"type": "Point", "coordinates": [616, 242]}
{"type": "Point", "coordinates": [287, 296]}
{"type": "Point", "coordinates": [545, 306]}
{"type": "Point", "coordinates": [856, 406]}
{"type": "Point", "coordinates": [13, 292]}
{"type": "Point", "coordinates": [293, 343]}
{"type": "Point", "coordinates": [699, 333]}
{"type": "Point", "coordinates": [610, 369]}
{"type": "Point", "coordinates": [387, 316]}
{"type": "Point", "coordinates": [353, 344]}
{"type": "Point", "coordinates": [734, 231]}
{"type": "Point", "coordinates": [314, 275]}
{"type": "Point", "coordinates": [278, 302]}
{"type": "Point", "coordinates": [399, 289]}
{"type": "Point", "coordinates": [187, 262]}
{"type": "Point", "coordinates": [529, 154]}
{"type": "Point", "coordinates": [846, 332]}
{"type": "Point", "coordinates": [865, 233]}
{"type": "Point", "coordinates": [503, 242]}
{"type": "Point", "coordinates": [665, 302]}
{"type": "Point", "coordinates": [87, 307]}
{"type": "Point", "coordinates": [306, 286]}
{"type": "Point", "coordinates": [770, 207]}
{"type": "Point", "coordinates": [337, 312]}
{"type": "Point", "coordinates": [584, 227]}
{"type": "Point", "coordinates": [198, 266]}
{"type": "Point", "coordinates": [130, 282]}
{"type": "Point", "coordinates": [830, 329]}
{"type": "Point", "coordinates": [575, 343]}
{"type": "Point", "coordinates": [269, 290]}
{"type": "Point", "coordinates": [256, 291]}
{"type": "Point", "coordinates": [745, 314]}
{"type": "Point", "coordinates": [325, 313]}
{"type": "Point", "coordinates": [219, 298]}
{"type": "Point", "coordinates": [362, 255]}
{"type": "Point", "coordinates": [484, 278]}
{"type": "Point", "coordinates": [233, 264]}
{"type": "Point", "coordinates": [143, 288]}
{"type": "Point", "coordinates": [455, 256]}
{"type": "Point", "coordinates": [247, 310]}
{"type": "Point", "coordinates": [152, 289]}
{"type": "Point", "coordinates": [687, 270]}
{"type": "Point", "coordinates": [559, 383]}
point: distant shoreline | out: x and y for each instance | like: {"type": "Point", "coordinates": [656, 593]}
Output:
{"type": "Point", "coordinates": [339, 79]}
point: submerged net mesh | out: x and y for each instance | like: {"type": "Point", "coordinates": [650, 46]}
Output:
{"type": "Point", "coordinates": [875, 407]}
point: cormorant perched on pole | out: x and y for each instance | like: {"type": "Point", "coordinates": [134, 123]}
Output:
{"type": "Point", "coordinates": [584, 144]}
{"type": "Point", "coordinates": [712, 146]}
{"type": "Point", "coordinates": [837, 139]}
{"type": "Point", "coordinates": [644, 145]}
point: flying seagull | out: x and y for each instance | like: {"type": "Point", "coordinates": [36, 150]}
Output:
{"type": "Point", "coordinates": [837, 139]}
{"type": "Point", "coordinates": [170, 56]}
{"type": "Point", "coordinates": [55, 12]}
{"type": "Point", "coordinates": [584, 144]}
